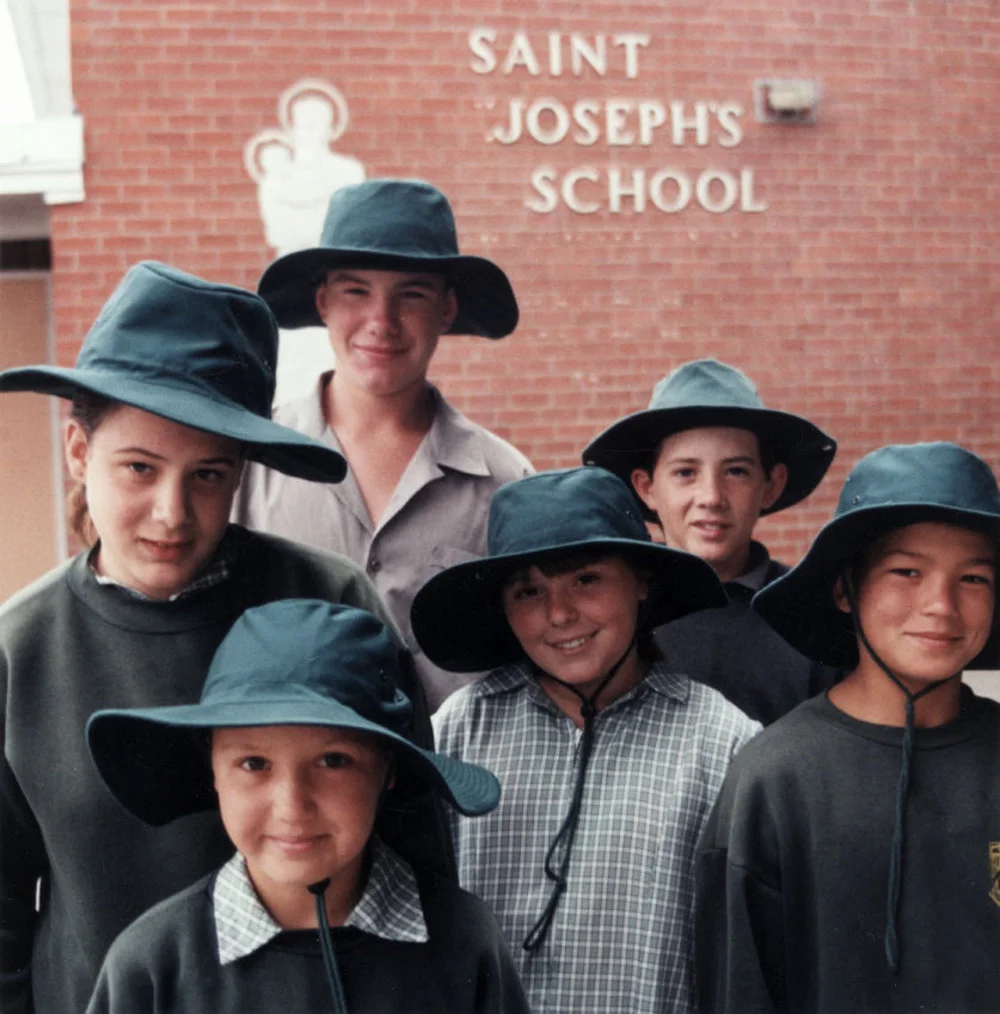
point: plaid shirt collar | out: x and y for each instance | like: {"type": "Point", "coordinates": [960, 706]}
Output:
{"type": "Point", "coordinates": [513, 677]}
{"type": "Point", "coordinates": [389, 907]}
{"type": "Point", "coordinates": [218, 571]}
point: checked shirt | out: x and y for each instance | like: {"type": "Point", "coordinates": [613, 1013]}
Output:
{"type": "Point", "coordinates": [621, 942]}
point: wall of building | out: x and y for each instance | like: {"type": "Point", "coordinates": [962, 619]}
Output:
{"type": "Point", "coordinates": [853, 273]}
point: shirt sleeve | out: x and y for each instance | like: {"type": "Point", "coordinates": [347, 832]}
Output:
{"type": "Point", "coordinates": [23, 863]}
{"type": "Point", "coordinates": [122, 988]}
{"type": "Point", "coordinates": [739, 920]}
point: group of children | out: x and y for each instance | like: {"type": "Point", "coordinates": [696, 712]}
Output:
{"type": "Point", "coordinates": [625, 837]}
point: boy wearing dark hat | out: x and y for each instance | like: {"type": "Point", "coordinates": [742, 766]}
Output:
{"type": "Point", "coordinates": [851, 862]}
{"type": "Point", "coordinates": [387, 280]}
{"type": "Point", "coordinates": [309, 739]}
{"type": "Point", "coordinates": [610, 762]}
{"type": "Point", "coordinates": [705, 461]}
{"type": "Point", "coordinates": [171, 393]}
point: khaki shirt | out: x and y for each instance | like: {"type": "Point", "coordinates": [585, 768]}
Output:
{"type": "Point", "coordinates": [436, 517]}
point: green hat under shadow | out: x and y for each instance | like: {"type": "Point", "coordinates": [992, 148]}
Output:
{"type": "Point", "coordinates": [197, 353]}
{"type": "Point", "coordinates": [392, 225]}
{"type": "Point", "coordinates": [895, 486]}
{"type": "Point", "coordinates": [706, 392]}
{"type": "Point", "coordinates": [290, 662]}
{"type": "Point", "coordinates": [458, 617]}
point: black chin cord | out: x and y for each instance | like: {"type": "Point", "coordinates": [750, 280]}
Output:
{"type": "Point", "coordinates": [902, 788]}
{"type": "Point", "coordinates": [318, 890]}
{"type": "Point", "coordinates": [556, 872]}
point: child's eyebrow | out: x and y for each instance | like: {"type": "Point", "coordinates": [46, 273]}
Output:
{"type": "Point", "coordinates": [974, 561]}
{"type": "Point", "coordinates": [221, 459]}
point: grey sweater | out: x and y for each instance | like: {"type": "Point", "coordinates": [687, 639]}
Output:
{"type": "Point", "coordinates": [67, 648]}
{"type": "Point", "coordinates": [792, 869]}
{"type": "Point", "coordinates": [168, 963]}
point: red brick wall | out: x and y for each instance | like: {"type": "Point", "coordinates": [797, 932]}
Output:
{"type": "Point", "coordinates": [865, 296]}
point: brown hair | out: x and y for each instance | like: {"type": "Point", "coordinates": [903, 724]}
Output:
{"type": "Point", "coordinates": [89, 411]}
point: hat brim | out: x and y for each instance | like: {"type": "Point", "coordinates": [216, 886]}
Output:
{"type": "Point", "coordinates": [799, 605]}
{"type": "Point", "coordinates": [156, 762]}
{"type": "Point", "coordinates": [804, 449]}
{"type": "Point", "coordinates": [268, 442]}
{"type": "Point", "coordinates": [487, 306]}
{"type": "Point", "coordinates": [459, 621]}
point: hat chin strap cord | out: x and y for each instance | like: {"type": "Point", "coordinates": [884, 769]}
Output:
{"type": "Point", "coordinates": [567, 833]}
{"type": "Point", "coordinates": [318, 890]}
{"type": "Point", "coordinates": [903, 787]}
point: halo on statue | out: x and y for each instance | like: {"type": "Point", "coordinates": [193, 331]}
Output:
{"type": "Point", "coordinates": [314, 86]}
{"type": "Point", "coordinates": [257, 145]}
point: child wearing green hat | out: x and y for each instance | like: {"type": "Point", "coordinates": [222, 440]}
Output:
{"type": "Point", "coordinates": [309, 739]}
{"type": "Point", "coordinates": [171, 394]}
{"type": "Point", "coordinates": [706, 460]}
{"type": "Point", "coordinates": [851, 862]}
{"type": "Point", "coordinates": [387, 280]}
{"type": "Point", "coordinates": [610, 762]}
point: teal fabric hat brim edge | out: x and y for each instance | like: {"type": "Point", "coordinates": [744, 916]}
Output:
{"type": "Point", "coordinates": [799, 605]}
{"type": "Point", "coordinates": [268, 442]}
{"type": "Point", "coordinates": [458, 618]}
{"type": "Point", "coordinates": [487, 307]}
{"type": "Point", "coordinates": [152, 761]}
{"type": "Point", "coordinates": [800, 445]}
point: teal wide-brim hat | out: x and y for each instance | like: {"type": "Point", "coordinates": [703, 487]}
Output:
{"type": "Point", "coordinates": [458, 617]}
{"type": "Point", "coordinates": [706, 392]}
{"type": "Point", "coordinates": [392, 225]}
{"type": "Point", "coordinates": [194, 352]}
{"type": "Point", "coordinates": [895, 486]}
{"type": "Point", "coordinates": [290, 662]}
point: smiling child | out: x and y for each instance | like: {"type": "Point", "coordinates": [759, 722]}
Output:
{"type": "Point", "coordinates": [609, 761]}
{"type": "Point", "coordinates": [851, 861]}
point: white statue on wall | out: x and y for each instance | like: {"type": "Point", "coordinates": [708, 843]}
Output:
{"type": "Point", "coordinates": [294, 168]}
{"type": "Point", "coordinates": [296, 173]}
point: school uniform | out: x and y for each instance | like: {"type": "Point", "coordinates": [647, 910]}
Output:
{"type": "Point", "coordinates": [68, 646]}
{"type": "Point", "coordinates": [413, 945]}
{"type": "Point", "coordinates": [621, 941]}
{"type": "Point", "coordinates": [737, 653]}
{"type": "Point", "coordinates": [436, 517]}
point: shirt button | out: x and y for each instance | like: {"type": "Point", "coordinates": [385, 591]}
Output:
{"type": "Point", "coordinates": [374, 566]}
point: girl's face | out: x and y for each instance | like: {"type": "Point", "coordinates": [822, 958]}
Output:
{"type": "Point", "coordinates": [925, 601]}
{"type": "Point", "coordinates": [158, 494]}
{"type": "Point", "coordinates": [576, 623]}
{"type": "Point", "coordinates": [299, 802]}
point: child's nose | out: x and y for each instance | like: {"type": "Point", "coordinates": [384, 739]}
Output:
{"type": "Point", "coordinates": [710, 490]}
{"type": "Point", "coordinates": [292, 796]}
{"type": "Point", "coordinates": [171, 503]}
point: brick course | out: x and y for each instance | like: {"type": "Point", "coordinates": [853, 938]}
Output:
{"type": "Point", "coordinates": [865, 296]}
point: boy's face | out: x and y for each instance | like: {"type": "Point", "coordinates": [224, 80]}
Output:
{"type": "Point", "coordinates": [384, 325]}
{"type": "Point", "coordinates": [577, 623]}
{"type": "Point", "coordinates": [925, 601]}
{"type": "Point", "coordinates": [299, 802]}
{"type": "Point", "coordinates": [708, 488]}
{"type": "Point", "coordinates": [158, 493]}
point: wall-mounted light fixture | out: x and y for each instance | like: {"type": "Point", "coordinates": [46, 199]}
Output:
{"type": "Point", "coordinates": [785, 100]}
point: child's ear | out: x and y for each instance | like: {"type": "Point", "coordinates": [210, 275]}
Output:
{"type": "Point", "coordinates": [75, 447]}
{"type": "Point", "coordinates": [642, 483]}
{"type": "Point", "coordinates": [775, 485]}
{"type": "Point", "coordinates": [840, 595]}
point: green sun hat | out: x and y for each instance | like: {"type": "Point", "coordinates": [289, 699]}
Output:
{"type": "Point", "coordinates": [703, 393]}
{"type": "Point", "coordinates": [392, 225]}
{"type": "Point", "coordinates": [290, 662]}
{"type": "Point", "coordinates": [197, 353]}
{"type": "Point", "coordinates": [458, 617]}
{"type": "Point", "coordinates": [895, 486]}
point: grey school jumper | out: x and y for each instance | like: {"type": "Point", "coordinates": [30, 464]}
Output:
{"type": "Point", "coordinates": [68, 647]}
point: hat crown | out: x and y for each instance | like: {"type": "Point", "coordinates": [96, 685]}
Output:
{"type": "Point", "coordinates": [705, 383]}
{"type": "Point", "coordinates": [404, 218]}
{"type": "Point", "coordinates": [304, 648]}
{"type": "Point", "coordinates": [164, 326]}
{"type": "Point", "coordinates": [567, 506]}
{"type": "Point", "coordinates": [932, 474]}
